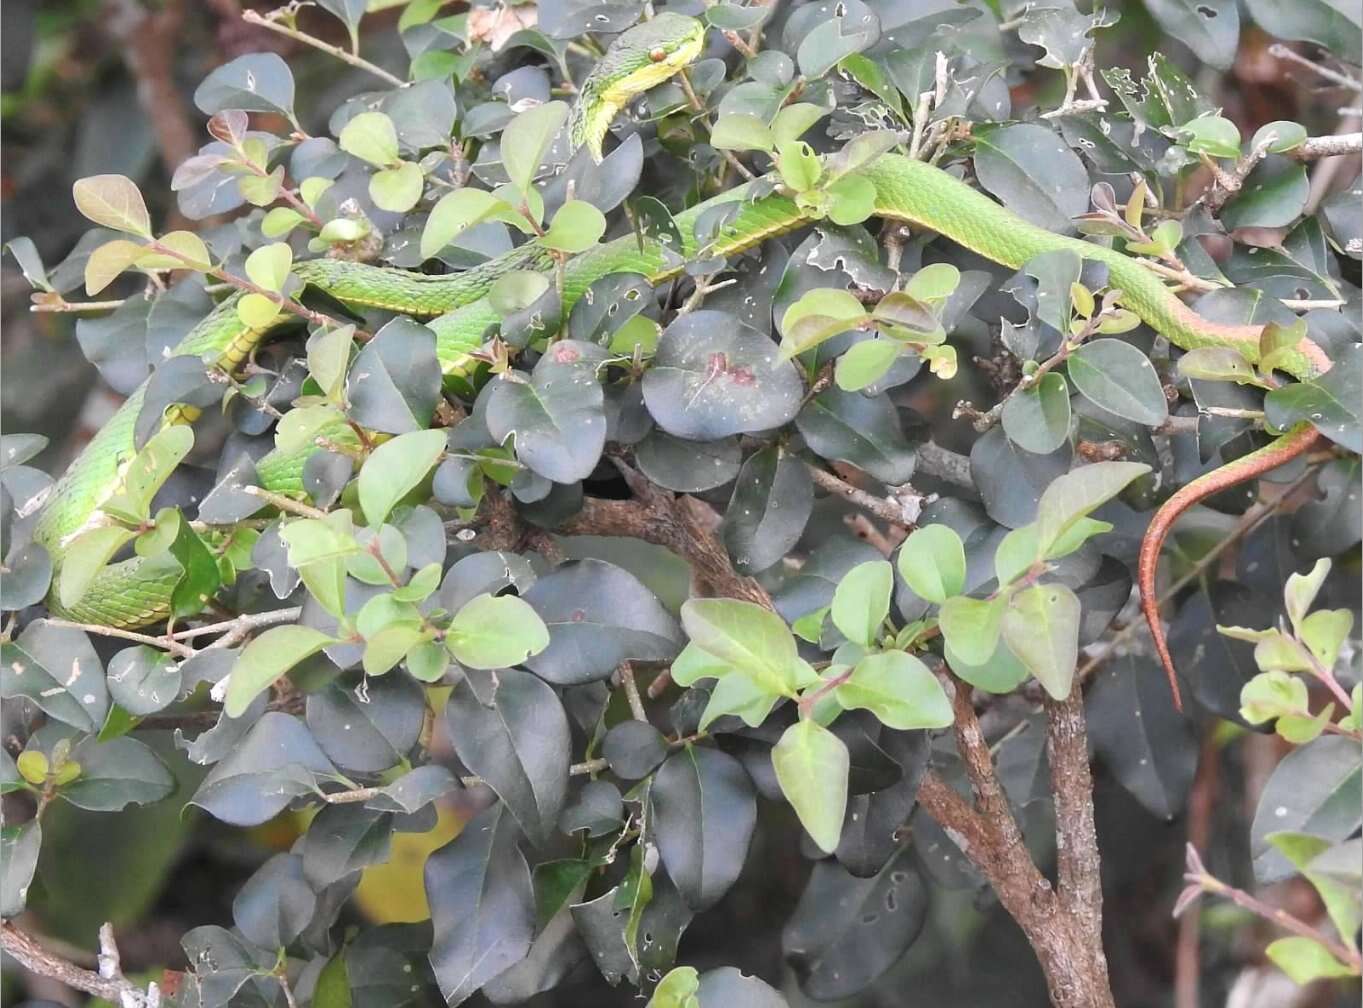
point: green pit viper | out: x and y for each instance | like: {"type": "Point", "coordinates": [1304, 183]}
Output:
{"type": "Point", "coordinates": [134, 593]}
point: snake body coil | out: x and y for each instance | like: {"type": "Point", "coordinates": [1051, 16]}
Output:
{"type": "Point", "coordinates": [136, 592]}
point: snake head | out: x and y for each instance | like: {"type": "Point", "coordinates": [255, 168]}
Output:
{"type": "Point", "coordinates": [641, 58]}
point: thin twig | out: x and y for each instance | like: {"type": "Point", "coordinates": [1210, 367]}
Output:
{"type": "Point", "coordinates": [1280, 51]}
{"type": "Point", "coordinates": [284, 503]}
{"type": "Point", "coordinates": [625, 673]}
{"type": "Point", "coordinates": [882, 508]}
{"type": "Point", "coordinates": [235, 629]}
{"type": "Point", "coordinates": [130, 635]}
{"type": "Point", "coordinates": [1274, 915]}
{"type": "Point", "coordinates": [364, 794]}
{"type": "Point", "coordinates": [698, 106]}
{"type": "Point", "coordinates": [47, 304]}
{"type": "Point", "coordinates": [265, 21]}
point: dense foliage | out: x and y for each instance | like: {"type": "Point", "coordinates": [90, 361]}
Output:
{"type": "Point", "coordinates": [694, 571]}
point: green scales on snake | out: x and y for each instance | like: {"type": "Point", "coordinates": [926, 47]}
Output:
{"type": "Point", "coordinates": [136, 592]}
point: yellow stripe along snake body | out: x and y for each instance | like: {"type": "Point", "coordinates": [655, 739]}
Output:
{"type": "Point", "coordinates": [135, 592]}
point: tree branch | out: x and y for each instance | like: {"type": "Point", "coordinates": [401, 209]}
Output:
{"type": "Point", "coordinates": [1327, 146]}
{"type": "Point", "coordinates": [1078, 865]}
{"type": "Point", "coordinates": [947, 466]}
{"type": "Point", "coordinates": [883, 508]}
{"type": "Point", "coordinates": [109, 983]}
{"type": "Point", "coordinates": [266, 21]}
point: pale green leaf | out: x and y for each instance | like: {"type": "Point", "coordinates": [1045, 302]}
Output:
{"type": "Point", "coordinates": [265, 659]}
{"type": "Point", "coordinates": [575, 228]}
{"type": "Point", "coordinates": [861, 601]}
{"type": "Point", "coordinates": [899, 690]}
{"type": "Point", "coordinates": [371, 137]}
{"type": "Point", "coordinates": [750, 639]}
{"type": "Point", "coordinates": [397, 188]}
{"type": "Point", "coordinates": [394, 470]}
{"type": "Point", "coordinates": [1041, 627]}
{"type": "Point", "coordinates": [971, 626]}
{"type": "Point", "coordinates": [269, 265]}
{"type": "Point", "coordinates": [114, 201]}
{"type": "Point", "coordinates": [1075, 494]}
{"type": "Point", "coordinates": [932, 563]}
{"type": "Point", "coordinates": [492, 632]}
{"type": "Point", "coordinates": [1304, 960]}
{"type": "Point", "coordinates": [740, 131]}
{"type": "Point", "coordinates": [526, 139]}
{"type": "Point", "coordinates": [811, 765]}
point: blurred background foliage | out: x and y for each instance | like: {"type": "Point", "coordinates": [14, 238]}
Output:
{"type": "Point", "coordinates": [103, 86]}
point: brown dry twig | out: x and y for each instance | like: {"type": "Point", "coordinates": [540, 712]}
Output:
{"type": "Point", "coordinates": [109, 983]}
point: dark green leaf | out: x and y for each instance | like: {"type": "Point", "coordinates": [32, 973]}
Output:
{"type": "Point", "coordinates": [1033, 173]}
{"type": "Point", "coordinates": [277, 761]}
{"type": "Point", "coordinates": [1274, 195]}
{"type": "Point", "coordinates": [342, 839]}
{"type": "Point", "coordinates": [116, 774]}
{"type": "Point", "coordinates": [142, 680]}
{"type": "Point", "coordinates": [714, 376]}
{"type": "Point", "coordinates": [1313, 790]}
{"type": "Point", "coordinates": [395, 380]}
{"type": "Point", "coordinates": [1329, 23]}
{"type": "Point", "coordinates": [58, 669]}
{"type": "Point", "coordinates": [598, 615]}
{"type": "Point", "coordinates": [19, 848]}
{"type": "Point", "coordinates": [482, 905]}
{"type": "Point", "coordinates": [1330, 402]}
{"type": "Point", "coordinates": [513, 733]}
{"type": "Point", "coordinates": [704, 813]}
{"type": "Point", "coordinates": [862, 430]}
{"type": "Point", "coordinates": [1119, 378]}
{"type": "Point", "coordinates": [687, 466]}
{"type": "Point", "coordinates": [771, 503]}
{"type": "Point", "coordinates": [1148, 746]}
{"type": "Point", "coordinates": [633, 749]}
{"type": "Point", "coordinates": [558, 416]}
{"type": "Point", "coordinates": [847, 931]}
{"type": "Point", "coordinates": [275, 904]}
{"type": "Point", "coordinates": [1210, 28]}
{"type": "Point", "coordinates": [370, 732]}
{"type": "Point", "coordinates": [256, 82]}
{"type": "Point", "coordinates": [1011, 480]}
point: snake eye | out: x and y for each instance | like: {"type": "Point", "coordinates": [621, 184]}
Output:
{"type": "Point", "coordinates": [657, 55]}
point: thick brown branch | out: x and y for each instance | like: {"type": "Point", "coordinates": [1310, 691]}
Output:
{"type": "Point", "coordinates": [990, 798]}
{"type": "Point", "coordinates": [1068, 945]}
{"type": "Point", "coordinates": [679, 524]}
{"type": "Point", "coordinates": [1078, 868]}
